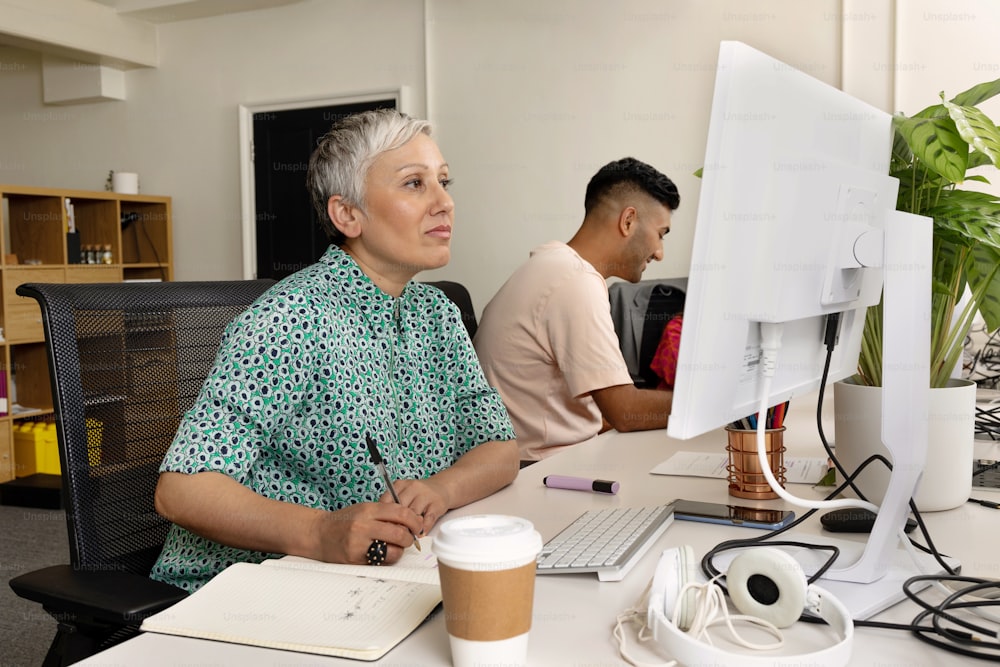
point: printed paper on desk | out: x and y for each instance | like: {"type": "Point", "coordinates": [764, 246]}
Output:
{"type": "Point", "coordinates": [798, 470]}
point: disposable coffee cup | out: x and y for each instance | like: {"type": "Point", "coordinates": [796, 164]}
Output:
{"type": "Point", "coordinates": [487, 567]}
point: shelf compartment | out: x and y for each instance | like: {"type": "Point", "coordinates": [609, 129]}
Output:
{"type": "Point", "coordinates": [97, 221]}
{"type": "Point", "coordinates": [146, 239]}
{"type": "Point", "coordinates": [37, 225]}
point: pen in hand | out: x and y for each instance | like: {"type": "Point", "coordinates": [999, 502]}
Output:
{"type": "Point", "coordinates": [380, 466]}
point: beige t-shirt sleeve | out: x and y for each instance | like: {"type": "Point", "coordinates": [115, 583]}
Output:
{"type": "Point", "coordinates": [582, 336]}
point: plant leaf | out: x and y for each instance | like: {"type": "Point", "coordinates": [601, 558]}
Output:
{"type": "Point", "coordinates": [901, 158]}
{"type": "Point", "coordinates": [933, 111]}
{"type": "Point", "coordinates": [977, 130]}
{"type": "Point", "coordinates": [919, 188]}
{"type": "Point", "coordinates": [829, 478]}
{"type": "Point", "coordinates": [983, 267]}
{"type": "Point", "coordinates": [978, 93]}
{"type": "Point", "coordinates": [967, 218]}
{"type": "Point", "coordinates": [870, 359]}
{"type": "Point", "coordinates": [977, 159]}
{"type": "Point", "coordinates": [946, 283]}
{"type": "Point", "coordinates": [937, 143]}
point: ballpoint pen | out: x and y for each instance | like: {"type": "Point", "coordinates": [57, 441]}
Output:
{"type": "Point", "coordinates": [380, 466]}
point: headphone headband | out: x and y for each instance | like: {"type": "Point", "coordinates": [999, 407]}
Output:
{"type": "Point", "coordinates": [689, 650]}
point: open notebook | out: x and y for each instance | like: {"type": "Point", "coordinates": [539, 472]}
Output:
{"type": "Point", "coordinates": [297, 604]}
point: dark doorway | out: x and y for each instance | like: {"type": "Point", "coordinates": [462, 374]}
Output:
{"type": "Point", "coordinates": [288, 236]}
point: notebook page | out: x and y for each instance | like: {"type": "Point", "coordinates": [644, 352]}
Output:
{"type": "Point", "coordinates": [301, 610]}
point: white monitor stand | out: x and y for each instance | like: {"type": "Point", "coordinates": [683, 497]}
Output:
{"type": "Point", "coordinates": [873, 578]}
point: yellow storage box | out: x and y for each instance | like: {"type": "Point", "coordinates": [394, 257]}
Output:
{"type": "Point", "coordinates": [36, 449]}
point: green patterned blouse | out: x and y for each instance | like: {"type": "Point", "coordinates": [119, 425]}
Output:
{"type": "Point", "coordinates": [321, 360]}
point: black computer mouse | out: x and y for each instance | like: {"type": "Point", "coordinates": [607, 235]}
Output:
{"type": "Point", "coordinates": [854, 520]}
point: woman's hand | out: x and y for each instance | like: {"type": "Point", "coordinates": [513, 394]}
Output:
{"type": "Point", "coordinates": [344, 536]}
{"type": "Point", "coordinates": [477, 473]}
{"type": "Point", "coordinates": [425, 497]}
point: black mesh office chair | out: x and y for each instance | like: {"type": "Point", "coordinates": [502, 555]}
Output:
{"type": "Point", "coordinates": [461, 298]}
{"type": "Point", "coordinates": [126, 361]}
{"type": "Point", "coordinates": [665, 303]}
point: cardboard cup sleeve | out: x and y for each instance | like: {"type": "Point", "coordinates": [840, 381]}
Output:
{"type": "Point", "coordinates": [487, 605]}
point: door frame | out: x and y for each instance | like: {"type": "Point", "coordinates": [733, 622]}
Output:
{"type": "Point", "coordinates": [248, 206]}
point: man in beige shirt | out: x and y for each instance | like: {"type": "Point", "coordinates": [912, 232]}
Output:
{"type": "Point", "coordinates": [547, 341]}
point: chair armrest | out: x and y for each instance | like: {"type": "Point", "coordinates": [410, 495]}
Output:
{"type": "Point", "coordinates": [116, 597]}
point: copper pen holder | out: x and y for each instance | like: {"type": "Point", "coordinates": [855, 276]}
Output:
{"type": "Point", "coordinates": [746, 479]}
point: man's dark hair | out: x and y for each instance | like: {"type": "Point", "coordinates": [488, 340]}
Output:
{"type": "Point", "coordinates": [630, 175]}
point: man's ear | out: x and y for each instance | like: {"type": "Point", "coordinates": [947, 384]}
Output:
{"type": "Point", "coordinates": [627, 220]}
{"type": "Point", "coordinates": [344, 216]}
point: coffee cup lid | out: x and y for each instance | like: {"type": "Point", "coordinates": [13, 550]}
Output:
{"type": "Point", "coordinates": [487, 539]}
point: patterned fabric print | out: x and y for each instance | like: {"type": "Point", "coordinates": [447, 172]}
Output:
{"type": "Point", "coordinates": [319, 361]}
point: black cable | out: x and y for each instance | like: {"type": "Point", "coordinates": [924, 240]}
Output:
{"type": "Point", "coordinates": [139, 220]}
{"type": "Point", "coordinates": [939, 610]}
{"type": "Point", "coordinates": [954, 641]}
{"type": "Point", "coordinates": [986, 468]}
{"type": "Point", "coordinates": [830, 340]}
{"type": "Point", "coordinates": [152, 246]}
{"type": "Point", "coordinates": [988, 421]}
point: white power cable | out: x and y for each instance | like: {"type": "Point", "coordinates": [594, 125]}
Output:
{"type": "Point", "coordinates": [770, 336]}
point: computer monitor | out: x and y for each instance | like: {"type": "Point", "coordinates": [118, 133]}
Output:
{"type": "Point", "coordinates": [793, 168]}
{"type": "Point", "coordinates": [796, 221]}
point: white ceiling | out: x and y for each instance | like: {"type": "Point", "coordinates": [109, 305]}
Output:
{"type": "Point", "coordinates": [165, 11]}
{"type": "Point", "coordinates": [117, 33]}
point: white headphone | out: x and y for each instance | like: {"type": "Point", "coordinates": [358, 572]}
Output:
{"type": "Point", "coordinates": [763, 582]}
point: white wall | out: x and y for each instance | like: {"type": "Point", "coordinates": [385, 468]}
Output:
{"type": "Point", "coordinates": [529, 97]}
{"type": "Point", "coordinates": [533, 97]}
{"type": "Point", "coordinates": [947, 47]}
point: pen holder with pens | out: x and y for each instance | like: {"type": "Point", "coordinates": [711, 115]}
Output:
{"type": "Point", "coordinates": [746, 478]}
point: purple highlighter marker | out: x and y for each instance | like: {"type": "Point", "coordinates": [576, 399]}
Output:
{"type": "Point", "coordinates": [580, 484]}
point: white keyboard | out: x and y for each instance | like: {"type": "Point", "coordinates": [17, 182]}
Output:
{"type": "Point", "coordinates": [609, 542]}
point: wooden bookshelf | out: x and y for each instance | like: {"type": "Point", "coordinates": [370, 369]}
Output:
{"type": "Point", "coordinates": [135, 236]}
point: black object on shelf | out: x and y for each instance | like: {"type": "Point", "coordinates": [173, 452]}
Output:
{"type": "Point", "coordinates": [73, 248]}
{"type": "Point", "coordinates": [128, 218]}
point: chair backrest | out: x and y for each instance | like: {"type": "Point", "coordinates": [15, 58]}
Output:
{"type": "Point", "coordinates": [458, 293]}
{"type": "Point", "coordinates": [126, 361]}
{"type": "Point", "coordinates": [665, 303]}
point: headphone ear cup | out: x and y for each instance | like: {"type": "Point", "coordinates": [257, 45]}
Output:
{"type": "Point", "coordinates": [768, 584]}
{"type": "Point", "coordinates": [677, 567]}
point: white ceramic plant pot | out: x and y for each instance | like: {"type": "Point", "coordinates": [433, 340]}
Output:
{"type": "Point", "coordinates": [947, 478]}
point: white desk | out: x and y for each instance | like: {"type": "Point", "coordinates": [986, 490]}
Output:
{"type": "Point", "coordinates": [574, 614]}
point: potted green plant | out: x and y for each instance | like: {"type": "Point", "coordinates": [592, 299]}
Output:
{"type": "Point", "coordinates": [933, 152]}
